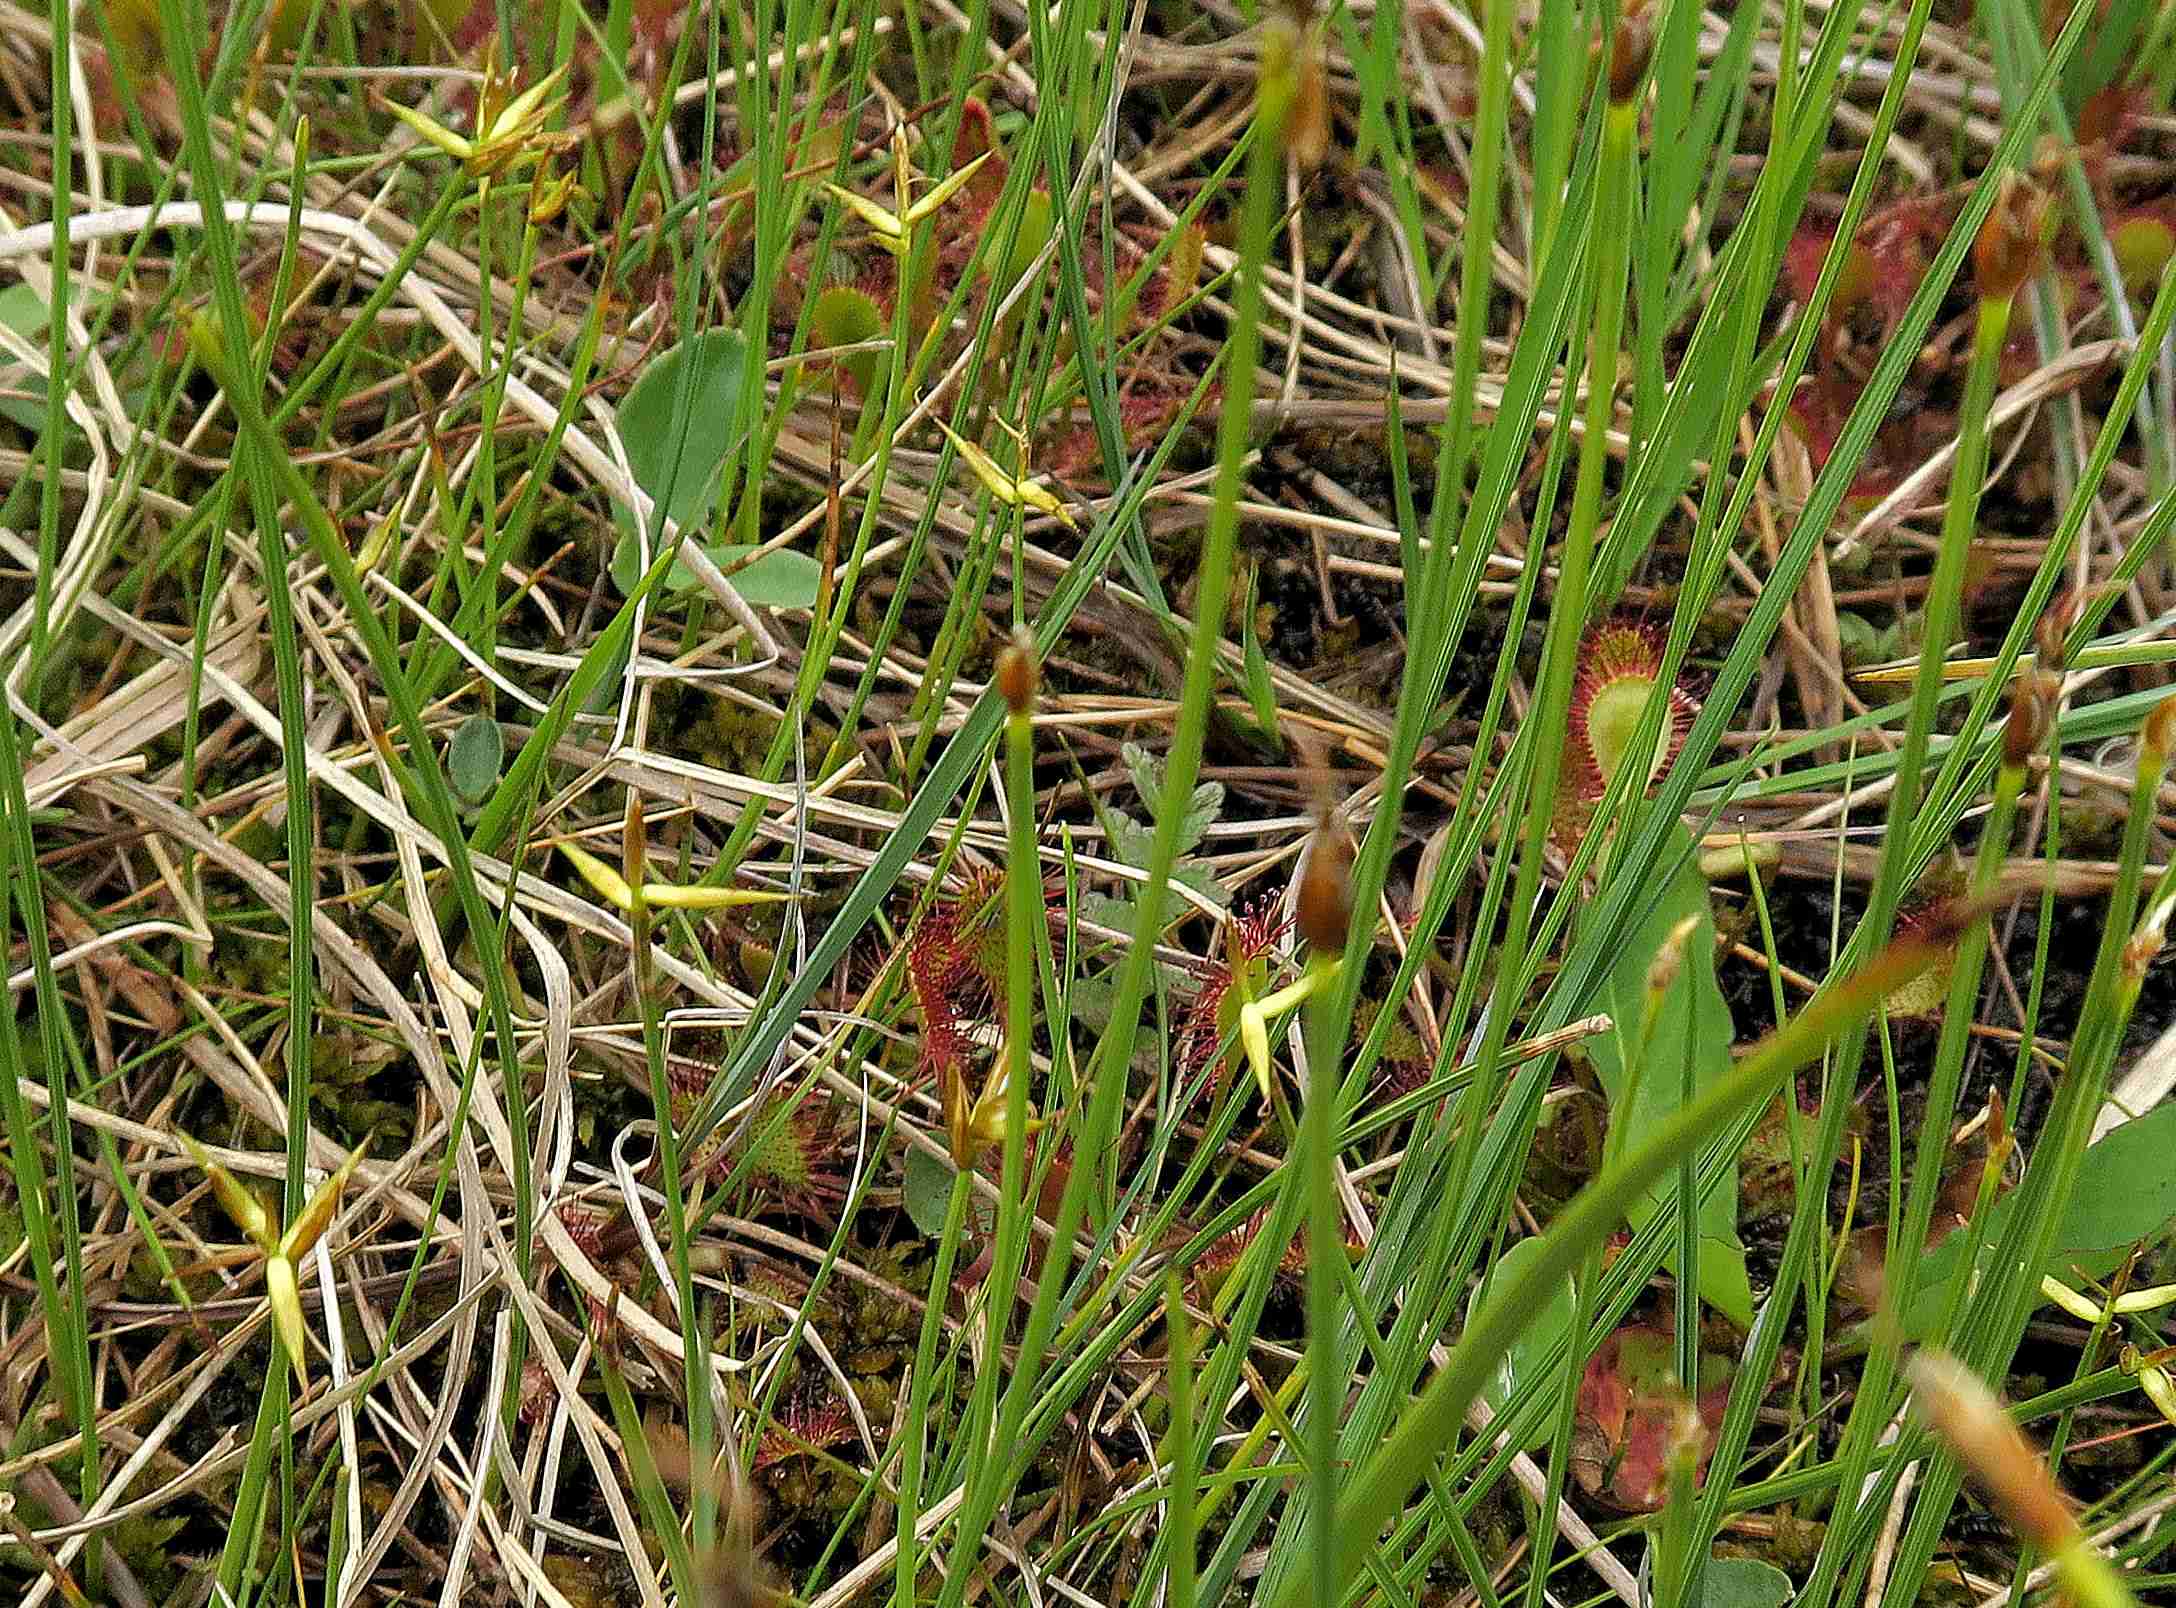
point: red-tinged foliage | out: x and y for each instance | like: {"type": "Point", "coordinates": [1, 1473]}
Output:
{"type": "Point", "coordinates": [1147, 404]}
{"type": "Point", "coordinates": [1216, 1264]}
{"type": "Point", "coordinates": [478, 23]}
{"type": "Point", "coordinates": [1248, 936]}
{"type": "Point", "coordinates": [1620, 661]}
{"type": "Point", "coordinates": [790, 1160]}
{"type": "Point", "coordinates": [1900, 445]}
{"type": "Point", "coordinates": [1887, 262]}
{"type": "Point", "coordinates": [804, 1427]}
{"type": "Point", "coordinates": [584, 1226]}
{"type": "Point", "coordinates": [956, 969]}
{"type": "Point", "coordinates": [539, 1395]}
{"type": "Point", "coordinates": [1883, 269]}
{"type": "Point", "coordinates": [977, 136]}
{"type": "Point", "coordinates": [2107, 118]}
{"type": "Point", "coordinates": [1048, 1200]}
{"type": "Point", "coordinates": [653, 24]}
{"type": "Point", "coordinates": [1631, 1411]}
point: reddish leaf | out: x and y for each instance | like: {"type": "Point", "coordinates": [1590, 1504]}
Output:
{"type": "Point", "coordinates": [1630, 1411]}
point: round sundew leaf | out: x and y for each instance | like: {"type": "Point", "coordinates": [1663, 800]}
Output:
{"type": "Point", "coordinates": [845, 315]}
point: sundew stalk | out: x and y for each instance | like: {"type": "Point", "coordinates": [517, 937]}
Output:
{"type": "Point", "coordinates": [1324, 918]}
{"type": "Point", "coordinates": [2005, 254]}
{"type": "Point", "coordinates": [1016, 684]}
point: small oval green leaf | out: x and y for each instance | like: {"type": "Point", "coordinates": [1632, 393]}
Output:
{"type": "Point", "coordinates": [474, 756]}
{"type": "Point", "coordinates": [1743, 1583]}
{"type": "Point", "coordinates": [678, 454]}
{"type": "Point", "coordinates": [928, 1192]}
{"type": "Point", "coordinates": [845, 315]}
{"type": "Point", "coordinates": [781, 579]}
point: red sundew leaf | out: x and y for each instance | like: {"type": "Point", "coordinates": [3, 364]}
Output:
{"type": "Point", "coordinates": [977, 132]}
{"type": "Point", "coordinates": [879, 281]}
{"type": "Point", "coordinates": [652, 24]}
{"type": "Point", "coordinates": [1252, 931]}
{"type": "Point", "coordinates": [584, 1226]}
{"type": "Point", "coordinates": [1075, 454]}
{"type": "Point", "coordinates": [478, 23]}
{"type": "Point", "coordinates": [1630, 1410]}
{"type": "Point", "coordinates": [955, 967]}
{"type": "Point", "coordinates": [2109, 114]}
{"type": "Point", "coordinates": [1896, 242]}
{"type": "Point", "coordinates": [1624, 651]}
{"type": "Point", "coordinates": [977, 136]}
{"type": "Point", "coordinates": [803, 1428]}
{"type": "Point", "coordinates": [1884, 265]}
{"type": "Point", "coordinates": [1144, 413]}
{"type": "Point", "coordinates": [1817, 413]}
{"type": "Point", "coordinates": [108, 113]}
{"type": "Point", "coordinates": [1803, 257]}
{"type": "Point", "coordinates": [1605, 1399]}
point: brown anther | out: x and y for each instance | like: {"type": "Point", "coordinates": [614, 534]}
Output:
{"type": "Point", "coordinates": [1662, 971]}
{"type": "Point", "coordinates": [2007, 253]}
{"type": "Point", "coordinates": [1629, 55]}
{"type": "Point", "coordinates": [2160, 729]}
{"type": "Point", "coordinates": [1017, 671]}
{"type": "Point", "coordinates": [1324, 904]}
{"type": "Point", "coordinates": [1307, 125]}
{"type": "Point", "coordinates": [1294, 98]}
{"type": "Point", "coordinates": [2054, 626]}
{"type": "Point", "coordinates": [2033, 703]}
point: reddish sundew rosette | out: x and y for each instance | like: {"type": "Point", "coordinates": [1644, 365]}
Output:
{"type": "Point", "coordinates": [1620, 662]}
{"type": "Point", "coordinates": [1249, 936]}
{"type": "Point", "coordinates": [1217, 1262]}
{"type": "Point", "coordinates": [1924, 915]}
{"type": "Point", "coordinates": [956, 969]}
{"type": "Point", "coordinates": [803, 1429]}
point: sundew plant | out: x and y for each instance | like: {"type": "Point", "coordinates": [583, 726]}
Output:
{"type": "Point", "coordinates": [829, 802]}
